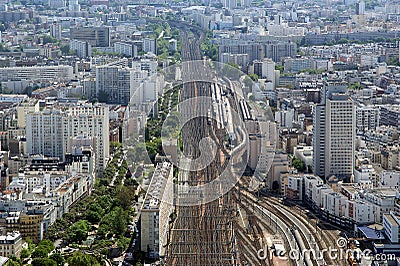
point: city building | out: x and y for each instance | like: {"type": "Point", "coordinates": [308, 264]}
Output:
{"type": "Point", "coordinates": [390, 116]}
{"type": "Point", "coordinates": [334, 135]}
{"type": "Point", "coordinates": [367, 118]}
{"type": "Point", "coordinates": [74, 6]}
{"type": "Point", "coordinates": [126, 48]}
{"type": "Point", "coordinates": [52, 132]}
{"type": "Point", "coordinates": [45, 73]}
{"type": "Point", "coordinates": [156, 210]}
{"type": "Point", "coordinates": [115, 80]}
{"type": "Point", "coordinates": [150, 45]}
{"type": "Point", "coordinates": [82, 48]}
{"type": "Point", "coordinates": [276, 50]}
{"type": "Point", "coordinates": [11, 244]}
{"type": "Point", "coordinates": [96, 36]}
{"type": "Point", "coordinates": [56, 30]}
{"type": "Point", "coordinates": [391, 226]}
{"type": "Point", "coordinates": [360, 8]}
{"type": "Point", "coordinates": [229, 4]}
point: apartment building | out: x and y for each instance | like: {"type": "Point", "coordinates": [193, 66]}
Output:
{"type": "Point", "coordinates": [156, 210]}
{"type": "Point", "coordinates": [50, 132]}
{"type": "Point", "coordinates": [11, 244]}
{"type": "Point", "coordinates": [43, 73]}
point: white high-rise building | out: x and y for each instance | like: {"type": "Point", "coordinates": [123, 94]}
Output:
{"type": "Point", "coordinates": [245, 3]}
{"type": "Point", "coordinates": [73, 5]}
{"type": "Point", "coordinates": [44, 133]}
{"type": "Point", "coordinates": [53, 73]}
{"type": "Point", "coordinates": [339, 136]}
{"type": "Point", "coordinates": [230, 4]}
{"type": "Point", "coordinates": [334, 127]}
{"type": "Point", "coordinates": [54, 4]}
{"type": "Point", "coordinates": [145, 83]}
{"type": "Point", "coordinates": [51, 132]}
{"type": "Point", "coordinates": [268, 70]}
{"type": "Point", "coordinates": [115, 80]}
{"type": "Point", "coordinates": [56, 30]}
{"type": "Point", "coordinates": [150, 45]}
{"type": "Point", "coordinates": [360, 8]}
{"type": "Point", "coordinates": [82, 49]}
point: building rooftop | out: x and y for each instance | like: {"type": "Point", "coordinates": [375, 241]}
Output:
{"type": "Point", "coordinates": [389, 217]}
{"type": "Point", "coordinates": [157, 185]}
{"type": "Point", "coordinates": [10, 237]}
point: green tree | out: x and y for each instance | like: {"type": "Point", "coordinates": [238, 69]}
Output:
{"type": "Point", "coordinates": [78, 231]}
{"type": "Point", "coordinates": [43, 262]}
{"type": "Point", "coordinates": [355, 86]}
{"type": "Point", "coordinates": [254, 77]}
{"type": "Point", "coordinates": [125, 197]}
{"type": "Point", "coordinates": [123, 242]}
{"type": "Point", "coordinates": [95, 213]}
{"type": "Point", "coordinates": [80, 259]}
{"type": "Point", "coordinates": [248, 82]}
{"type": "Point", "coordinates": [48, 39]}
{"type": "Point", "coordinates": [14, 261]}
{"type": "Point", "coordinates": [3, 48]}
{"type": "Point", "coordinates": [58, 258]}
{"type": "Point", "coordinates": [47, 244]}
{"type": "Point", "coordinates": [120, 220]}
{"type": "Point", "coordinates": [65, 49]}
{"type": "Point", "coordinates": [25, 253]}
{"type": "Point", "coordinates": [298, 164]}
{"type": "Point", "coordinates": [40, 252]}
{"type": "Point", "coordinates": [279, 67]}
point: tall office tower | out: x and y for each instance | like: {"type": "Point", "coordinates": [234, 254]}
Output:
{"type": "Point", "coordinates": [360, 8]}
{"type": "Point", "coordinates": [55, 30]}
{"type": "Point", "coordinates": [96, 36]}
{"type": "Point", "coordinates": [73, 5]}
{"type": "Point", "coordinates": [51, 132]}
{"type": "Point", "coordinates": [334, 128]}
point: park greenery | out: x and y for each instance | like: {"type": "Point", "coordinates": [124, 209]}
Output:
{"type": "Point", "coordinates": [209, 49]}
{"type": "Point", "coordinates": [155, 123]}
{"type": "Point", "coordinates": [105, 213]}
{"type": "Point", "coordinates": [161, 31]}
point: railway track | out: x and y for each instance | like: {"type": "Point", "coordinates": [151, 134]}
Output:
{"type": "Point", "coordinates": [202, 233]}
{"type": "Point", "coordinates": [301, 230]}
{"type": "Point", "coordinates": [326, 239]}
